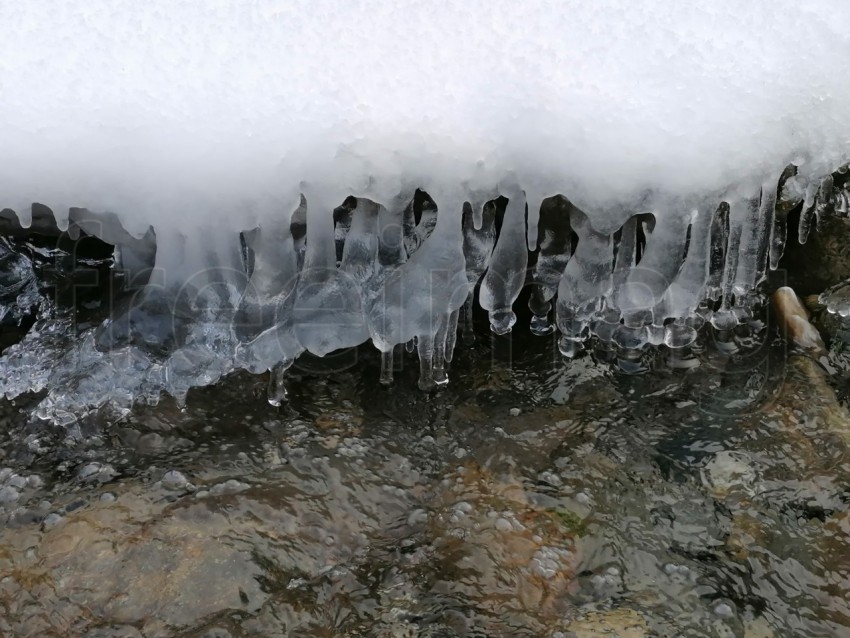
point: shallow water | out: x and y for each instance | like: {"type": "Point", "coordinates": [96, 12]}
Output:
{"type": "Point", "coordinates": [532, 497]}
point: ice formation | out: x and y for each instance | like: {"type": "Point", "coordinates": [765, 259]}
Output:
{"type": "Point", "coordinates": [281, 177]}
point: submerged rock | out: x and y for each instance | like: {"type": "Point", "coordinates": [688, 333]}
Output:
{"type": "Point", "coordinates": [794, 321]}
{"type": "Point", "coordinates": [524, 555]}
{"type": "Point", "coordinates": [617, 623]}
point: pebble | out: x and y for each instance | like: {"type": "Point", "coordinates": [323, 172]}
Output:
{"type": "Point", "coordinates": [96, 472]}
{"type": "Point", "coordinates": [228, 487]}
{"type": "Point", "coordinates": [9, 494]}
{"type": "Point", "coordinates": [673, 569]}
{"type": "Point", "coordinates": [17, 481]}
{"type": "Point", "coordinates": [724, 610]}
{"type": "Point", "coordinates": [503, 525]}
{"type": "Point", "coordinates": [174, 480]}
{"type": "Point", "coordinates": [417, 517]}
{"type": "Point", "coordinates": [51, 520]}
{"type": "Point", "coordinates": [515, 411]}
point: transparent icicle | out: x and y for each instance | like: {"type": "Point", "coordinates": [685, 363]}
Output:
{"type": "Point", "coordinates": [328, 308]}
{"type": "Point", "coordinates": [685, 293]}
{"type": "Point", "coordinates": [649, 279]}
{"type": "Point", "coordinates": [554, 249]}
{"type": "Point", "coordinates": [263, 322]}
{"type": "Point", "coordinates": [724, 318]}
{"type": "Point", "coordinates": [585, 282]}
{"type": "Point", "coordinates": [479, 236]}
{"type": "Point", "coordinates": [753, 259]}
{"type": "Point", "coordinates": [505, 276]}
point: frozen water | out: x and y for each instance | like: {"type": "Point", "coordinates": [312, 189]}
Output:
{"type": "Point", "coordinates": [289, 177]}
{"type": "Point", "coordinates": [398, 281]}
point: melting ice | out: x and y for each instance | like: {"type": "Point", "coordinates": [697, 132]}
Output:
{"type": "Point", "coordinates": [282, 177]}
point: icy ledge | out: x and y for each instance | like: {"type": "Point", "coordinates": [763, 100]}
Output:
{"type": "Point", "coordinates": [405, 272]}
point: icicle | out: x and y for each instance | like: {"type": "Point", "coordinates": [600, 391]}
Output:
{"type": "Point", "coordinates": [718, 252]}
{"type": "Point", "coordinates": [417, 233]}
{"type": "Point", "coordinates": [624, 262]}
{"type": "Point", "coordinates": [837, 299]}
{"type": "Point", "coordinates": [823, 201]}
{"type": "Point", "coordinates": [387, 367]}
{"type": "Point", "coordinates": [650, 278]}
{"type": "Point", "coordinates": [585, 282]}
{"type": "Point", "coordinates": [479, 236]}
{"type": "Point", "coordinates": [360, 253]}
{"type": "Point", "coordinates": [807, 213]}
{"type": "Point", "coordinates": [342, 216]}
{"type": "Point", "coordinates": [391, 255]}
{"type": "Point", "coordinates": [391, 250]}
{"type": "Point", "coordinates": [263, 322]}
{"type": "Point", "coordinates": [607, 324]}
{"type": "Point", "coordinates": [554, 248]}
{"type": "Point", "coordinates": [277, 394]}
{"type": "Point", "coordinates": [415, 298]}
{"type": "Point", "coordinates": [425, 350]}
{"type": "Point", "coordinates": [534, 204]}
{"type": "Point", "coordinates": [724, 318]}
{"type": "Point", "coordinates": [467, 311]}
{"type": "Point", "coordinates": [328, 307]}
{"type": "Point", "coordinates": [506, 274]}
{"type": "Point", "coordinates": [451, 335]}
{"type": "Point", "coordinates": [792, 190]}
{"type": "Point", "coordinates": [687, 290]}
{"type": "Point", "coordinates": [440, 377]}
{"type": "Point", "coordinates": [752, 262]}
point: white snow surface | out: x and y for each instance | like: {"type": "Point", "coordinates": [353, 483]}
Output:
{"type": "Point", "coordinates": [179, 113]}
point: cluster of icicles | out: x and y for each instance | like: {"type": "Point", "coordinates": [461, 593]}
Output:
{"type": "Point", "coordinates": [407, 273]}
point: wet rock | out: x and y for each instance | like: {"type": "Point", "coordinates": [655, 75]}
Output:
{"type": "Point", "coordinates": [51, 520]}
{"type": "Point", "coordinates": [747, 531]}
{"type": "Point", "coordinates": [794, 321]}
{"type": "Point", "coordinates": [807, 394]}
{"type": "Point", "coordinates": [174, 480]}
{"type": "Point", "coordinates": [617, 623]}
{"type": "Point", "coordinates": [728, 471]}
{"type": "Point", "coordinates": [487, 523]}
{"type": "Point", "coordinates": [757, 628]}
{"type": "Point", "coordinates": [126, 631]}
{"type": "Point", "coordinates": [182, 571]}
{"type": "Point", "coordinates": [96, 472]}
{"type": "Point", "coordinates": [17, 481]}
{"type": "Point", "coordinates": [231, 486]}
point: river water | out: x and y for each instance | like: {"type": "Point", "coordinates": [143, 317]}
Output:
{"type": "Point", "coordinates": [697, 494]}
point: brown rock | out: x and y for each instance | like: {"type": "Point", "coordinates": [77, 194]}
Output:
{"type": "Point", "coordinates": [794, 321]}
